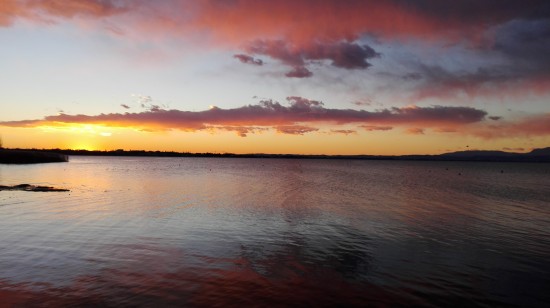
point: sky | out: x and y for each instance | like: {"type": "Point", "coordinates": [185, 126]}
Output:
{"type": "Point", "coordinates": [289, 76]}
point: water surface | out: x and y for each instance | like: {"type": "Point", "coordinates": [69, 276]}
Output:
{"type": "Point", "coordinates": [233, 231]}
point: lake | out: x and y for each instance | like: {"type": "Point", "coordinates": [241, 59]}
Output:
{"type": "Point", "coordinates": [218, 232]}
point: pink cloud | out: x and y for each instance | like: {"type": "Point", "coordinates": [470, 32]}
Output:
{"type": "Point", "coordinates": [531, 126]}
{"type": "Point", "coordinates": [297, 33]}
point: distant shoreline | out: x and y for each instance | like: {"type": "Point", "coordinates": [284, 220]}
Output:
{"type": "Point", "coordinates": [19, 156]}
{"type": "Point", "coordinates": [58, 155]}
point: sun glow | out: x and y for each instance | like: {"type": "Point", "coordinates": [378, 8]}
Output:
{"type": "Point", "coordinates": [92, 129]}
{"type": "Point", "coordinates": [83, 146]}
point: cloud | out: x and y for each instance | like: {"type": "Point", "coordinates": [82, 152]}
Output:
{"type": "Point", "coordinates": [415, 131]}
{"type": "Point", "coordinates": [48, 11]}
{"type": "Point", "coordinates": [515, 62]}
{"type": "Point", "coordinates": [495, 118]}
{"type": "Point", "coordinates": [530, 126]}
{"type": "Point", "coordinates": [301, 116]}
{"type": "Point", "coordinates": [527, 43]}
{"type": "Point", "coordinates": [342, 54]}
{"type": "Point", "coordinates": [248, 59]}
{"type": "Point", "coordinates": [143, 99]}
{"type": "Point", "coordinates": [362, 103]}
{"type": "Point", "coordinates": [343, 131]}
{"type": "Point", "coordinates": [309, 21]}
{"type": "Point", "coordinates": [125, 106]}
{"type": "Point", "coordinates": [295, 129]}
{"type": "Point", "coordinates": [445, 130]}
{"type": "Point", "coordinates": [242, 131]}
{"type": "Point", "coordinates": [299, 33]}
{"type": "Point", "coordinates": [371, 128]}
{"type": "Point", "coordinates": [61, 8]}
{"type": "Point", "coordinates": [152, 107]}
{"type": "Point", "coordinates": [295, 118]}
{"type": "Point", "coordinates": [299, 72]}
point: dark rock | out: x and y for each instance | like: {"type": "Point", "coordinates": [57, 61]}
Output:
{"type": "Point", "coordinates": [28, 187]}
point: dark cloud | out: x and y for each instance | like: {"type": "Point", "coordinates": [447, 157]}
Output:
{"type": "Point", "coordinates": [526, 45]}
{"type": "Point", "coordinates": [522, 47]}
{"type": "Point", "coordinates": [154, 108]}
{"type": "Point", "coordinates": [495, 118]}
{"type": "Point", "coordinates": [474, 12]}
{"type": "Point", "coordinates": [343, 55]}
{"type": "Point", "coordinates": [248, 59]}
{"type": "Point", "coordinates": [295, 118]}
{"type": "Point", "coordinates": [125, 106]}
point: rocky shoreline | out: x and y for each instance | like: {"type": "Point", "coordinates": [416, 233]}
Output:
{"type": "Point", "coordinates": [30, 157]}
{"type": "Point", "coordinates": [28, 187]}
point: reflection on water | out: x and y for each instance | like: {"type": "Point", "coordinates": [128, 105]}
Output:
{"type": "Point", "coordinates": [232, 232]}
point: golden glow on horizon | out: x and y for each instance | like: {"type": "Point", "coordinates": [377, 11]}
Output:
{"type": "Point", "coordinates": [94, 129]}
{"type": "Point", "coordinates": [393, 142]}
{"type": "Point", "coordinates": [83, 146]}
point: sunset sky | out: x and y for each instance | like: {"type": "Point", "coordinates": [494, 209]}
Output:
{"type": "Point", "coordinates": [285, 76]}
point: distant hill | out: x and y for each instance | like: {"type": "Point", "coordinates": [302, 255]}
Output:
{"type": "Point", "coordinates": [536, 155]}
{"type": "Point", "coordinates": [540, 152]}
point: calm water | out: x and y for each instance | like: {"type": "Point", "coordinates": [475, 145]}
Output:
{"type": "Point", "coordinates": [256, 232]}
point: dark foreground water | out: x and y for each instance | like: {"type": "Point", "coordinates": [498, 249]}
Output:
{"type": "Point", "coordinates": [274, 232]}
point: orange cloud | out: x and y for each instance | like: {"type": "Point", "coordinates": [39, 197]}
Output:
{"type": "Point", "coordinates": [415, 131]}
{"type": "Point", "coordinates": [343, 131]}
{"type": "Point", "coordinates": [295, 129]}
{"type": "Point", "coordinates": [371, 128]}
